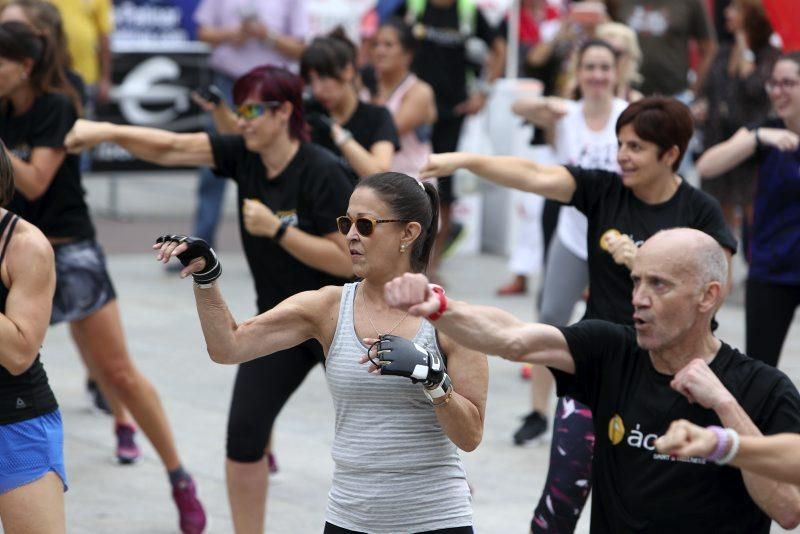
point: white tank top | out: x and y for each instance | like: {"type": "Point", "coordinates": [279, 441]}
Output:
{"type": "Point", "coordinates": [413, 153]}
{"type": "Point", "coordinates": [396, 470]}
{"type": "Point", "coordinates": [577, 144]}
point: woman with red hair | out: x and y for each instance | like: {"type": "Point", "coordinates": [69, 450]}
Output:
{"type": "Point", "coordinates": [290, 193]}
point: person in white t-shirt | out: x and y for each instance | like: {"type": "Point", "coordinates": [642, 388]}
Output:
{"type": "Point", "coordinates": [583, 135]}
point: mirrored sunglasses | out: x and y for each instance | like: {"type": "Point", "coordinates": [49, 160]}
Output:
{"type": "Point", "coordinates": [254, 110]}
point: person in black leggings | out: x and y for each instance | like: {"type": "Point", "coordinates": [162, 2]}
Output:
{"type": "Point", "coordinates": [623, 209]}
{"type": "Point", "coordinates": [290, 193]}
{"type": "Point", "coordinates": [773, 280]}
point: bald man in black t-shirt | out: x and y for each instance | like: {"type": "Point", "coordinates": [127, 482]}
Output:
{"type": "Point", "coordinates": [638, 379]}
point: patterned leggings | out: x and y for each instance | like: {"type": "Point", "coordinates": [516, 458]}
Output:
{"type": "Point", "coordinates": [569, 476]}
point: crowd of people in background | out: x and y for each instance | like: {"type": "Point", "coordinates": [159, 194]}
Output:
{"type": "Point", "coordinates": [653, 115]}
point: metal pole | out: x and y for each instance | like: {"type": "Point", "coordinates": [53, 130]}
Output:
{"type": "Point", "coordinates": [512, 49]}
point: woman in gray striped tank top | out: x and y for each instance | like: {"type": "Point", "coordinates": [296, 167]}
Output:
{"type": "Point", "coordinates": [397, 468]}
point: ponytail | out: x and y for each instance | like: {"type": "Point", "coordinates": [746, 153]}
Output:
{"type": "Point", "coordinates": [411, 200]}
{"type": "Point", "coordinates": [421, 256]}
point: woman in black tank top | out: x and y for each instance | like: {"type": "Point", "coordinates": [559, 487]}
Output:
{"type": "Point", "coordinates": [32, 475]}
{"type": "Point", "coordinates": [37, 109]}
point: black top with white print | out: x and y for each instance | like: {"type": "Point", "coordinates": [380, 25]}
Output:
{"type": "Point", "coordinates": [608, 204]}
{"type": "Point", "coordinates": [637, 489]}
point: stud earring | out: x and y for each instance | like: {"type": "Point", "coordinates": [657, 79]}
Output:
{"type": "Point", "coordinates": [402, 247]}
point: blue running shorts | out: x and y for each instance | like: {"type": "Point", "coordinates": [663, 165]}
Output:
{"type": "Point", "coordinates": [30, 449]}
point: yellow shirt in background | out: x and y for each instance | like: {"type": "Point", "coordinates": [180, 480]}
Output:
{"type": "Point", "coordinates": [85, 21]}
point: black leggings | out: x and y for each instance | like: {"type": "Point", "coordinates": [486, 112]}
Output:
{"type": "Point", "coordinates": [333, 529]}
{"type": "Point", "coordinates": [769, 310]}
{"type": "Point", "coordinates": [262, 388]}
{"type": "Point", "coordinates": [570, 472]}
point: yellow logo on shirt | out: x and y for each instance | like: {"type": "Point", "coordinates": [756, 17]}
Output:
{"type": "Point", "coordinates": [616, 429]}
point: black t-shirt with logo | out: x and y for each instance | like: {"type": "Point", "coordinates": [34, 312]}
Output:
{"type": "Point", "coordinates": [637, 489]}
{"type": "Point", "coordinates": [608, 204]}
{"type": "Point", "coordinates": [61, 211]}
{"type": "Point", "coordinates": [310, 193]}
{"type": "Point", "coordinates": [368, 124]}
{"type": "Point", "coordinates": [441, 56]}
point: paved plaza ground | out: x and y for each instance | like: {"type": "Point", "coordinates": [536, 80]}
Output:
{"type": "Point", "coordinates": [164, 338]}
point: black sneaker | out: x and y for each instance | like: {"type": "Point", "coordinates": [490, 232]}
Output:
{"type": "Point", "coordinates": [534, 426]}
{"type": "Point", "coordinates": [97, 397]}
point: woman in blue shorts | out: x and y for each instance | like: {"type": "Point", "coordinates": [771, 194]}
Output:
{"type": "Point", "coordinates": [32, 477]}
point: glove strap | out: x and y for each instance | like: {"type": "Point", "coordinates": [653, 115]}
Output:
{"type": "Point", "coordinates": [209, 275]}
{"type": "Point", "coordinates": [444, 389]}
{"type": "Point", "coordinates": [439, 291]}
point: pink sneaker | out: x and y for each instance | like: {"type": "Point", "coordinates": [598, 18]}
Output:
{"type": "Point", "coordinates": [190, 510]}
{"type": "Point", "coordinates": [273, 465]}
{"type": "Point", "coordinates": [127, 451]}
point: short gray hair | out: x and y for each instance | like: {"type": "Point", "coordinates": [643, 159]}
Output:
{"type": "Point", "coordinates": [711, 263]}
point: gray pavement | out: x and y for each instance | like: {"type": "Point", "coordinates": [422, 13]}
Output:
{"type": "Point", "coordinates": [164, 338]}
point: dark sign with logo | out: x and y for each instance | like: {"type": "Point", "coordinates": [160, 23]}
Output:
{"type": "Point", "coordinates": [156, 65]}
{"type": "Point", "coordinates": [151, 89]}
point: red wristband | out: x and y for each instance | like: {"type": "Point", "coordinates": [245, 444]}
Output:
{"type": "Point", "coordinates": [439, 290]}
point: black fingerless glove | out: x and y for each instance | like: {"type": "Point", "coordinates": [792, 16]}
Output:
{"type": "Point", "coordinates": [402, 357]}
{"type": "Point", "coordinates": [197, 248]}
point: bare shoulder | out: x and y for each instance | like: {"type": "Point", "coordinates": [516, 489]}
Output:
{"type": "Point", "coordinates": [29, 241]}
{"type": "Point", "coordinates": [29, 253]}
{"type": "Point", "coordinates": [319, 306]}
{"type": "Point", "coordinates": [421, 91]}
{"type": "Point", "coordinates": [329, 297]}
{"type": "Point", "coordinates": [323, 307]}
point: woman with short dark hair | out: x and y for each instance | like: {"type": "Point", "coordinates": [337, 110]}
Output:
{"type": "Point", "coordinates": [363, 134]}
{"type": "Point", "coordinates": [623, 209]}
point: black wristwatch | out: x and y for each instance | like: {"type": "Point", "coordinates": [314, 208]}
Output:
{"type": "Point", "coordinates": [757, 138]}
{"type": "Point", "coordinates": [281, 231]}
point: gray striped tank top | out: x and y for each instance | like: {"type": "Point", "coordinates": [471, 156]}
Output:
{"type": "Point", "coordinates": [395, 469]}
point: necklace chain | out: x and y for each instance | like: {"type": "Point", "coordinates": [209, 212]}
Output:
{"type": "Point", "coordinates": [366, 312]}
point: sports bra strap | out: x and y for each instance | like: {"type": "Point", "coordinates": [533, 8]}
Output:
{"type": "Point", "coordinates": [5, 220]}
